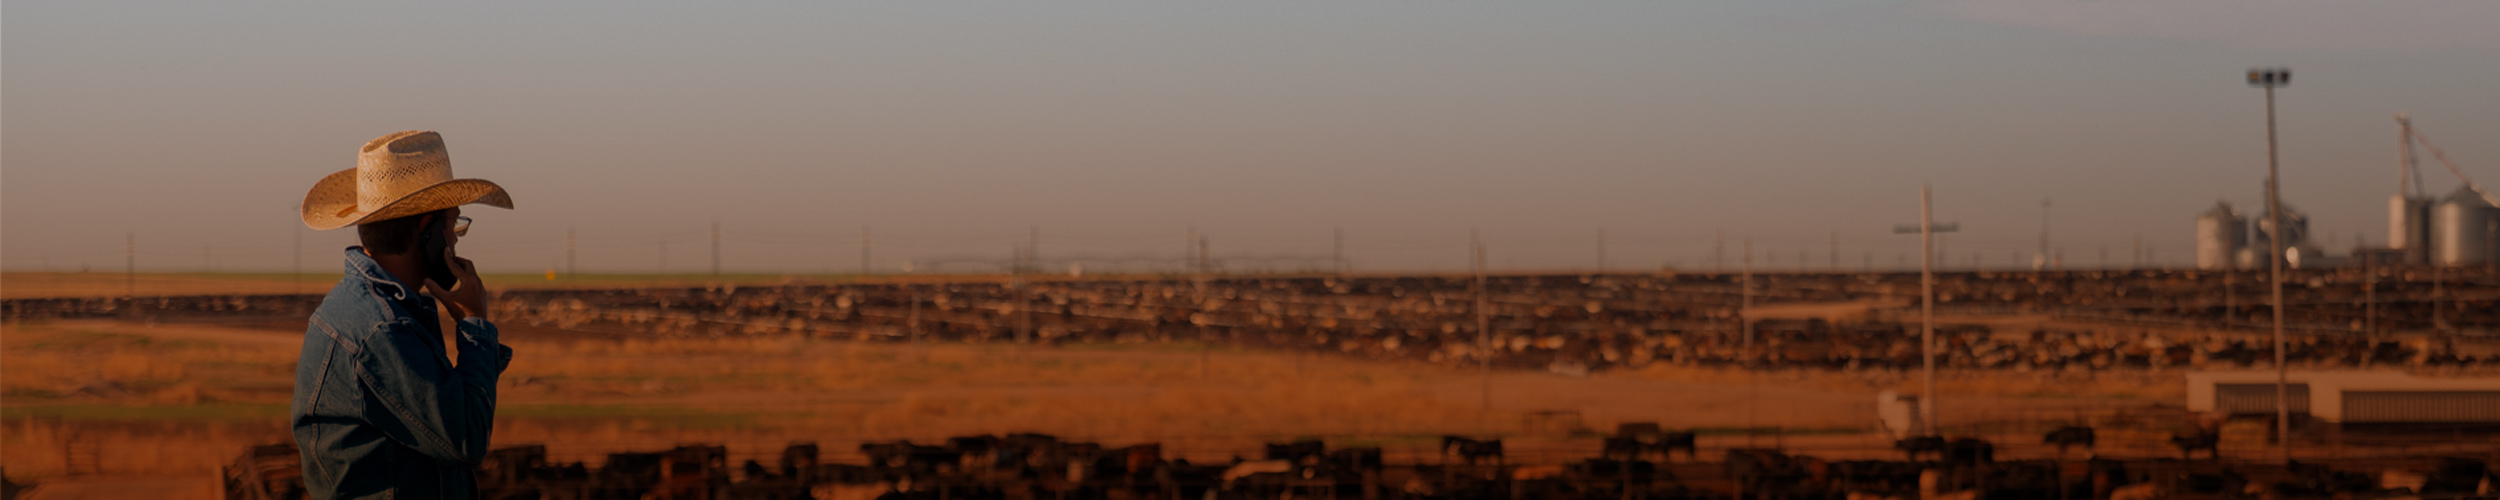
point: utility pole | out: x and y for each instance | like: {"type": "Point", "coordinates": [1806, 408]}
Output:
{"type": "Point", "coordinates": [1744, 310]}
{"type": "Point", "coordinates": [569, 268]}
{"type": "Point", "coordinates": [1927, 301]}
{"type": "Point", "coordinates": [1835, 250]}
{"type": "Point", "coordinates": [1927, 229]}
{"type": "Point", "coordinates": [1338, 258]}
{"type": "Point", "coordinates": [2044, 261]}
{"type": "Point", "coordinates": [716, 248]}
{"type": "Point", "coordinates": [1718, 259]}
{"type": "Point", "coordinates": [1023, 291]}
{"type": "Point", "coordinates": [2269, 79]}
{"type": "Point", "coordinates": [1601, 251]}
{"type": "Point", "coordinates": [131, 263]}
{"type": "Point", "coordinates": [1189, 251]}
{"type": "Point", "coordinates": [1484, 322]}
{"type": "Point", "coordinates": [1033, 250]}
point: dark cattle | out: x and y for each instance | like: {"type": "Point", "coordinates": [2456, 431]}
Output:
{"type": "Point", "coordinates": [1624, 448]}
{"type": "Point", "coordinates": [1762, 471]}
{"type": "Point", "coordinates": [1471, 450]}
{"type": "Point", "coordinates": [2456, 476]}
{"type": "Point", "coordinates": [2225, 481]}
{"type": "Point", "coordinates": [1614, 470]}
{"type": "Point", "coordinates": [691, 472]}
{"type": "Point", "coordinates": [910, 457]}
{"type": "Point", "coordinates": [1298, 452]}
{"type": "Point", "coordinates": [886, 455]}
{"type": "Point", "coordinates": [1645, 432]}
{"type": "Point", "coordinates": [1359, 460]}
{"type": "Point", "coordinates": [973, 445]}
{"type": "Point", "coordinates": [1671, 441]}
{"type": "Point", "coordinates": [1915, 445]}
{"type": "Point", "coordinates": [1024, 449]}
{"type": "Point", "coordinates": [1970, 451]}
{"type": "Point", "coordinates": [2065, 437]}
{"type": "Point", "coordinates": [798, 458]}
{"type": "Point", "coordinates": [2207, 440]}
{"type": "Point", "coordinates": [1137, 460]}
{"type": "Point", "coordinates": [1874, 476]}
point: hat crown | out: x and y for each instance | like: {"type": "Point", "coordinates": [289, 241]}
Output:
{"type": "Point", "coordinates": [394, 165]}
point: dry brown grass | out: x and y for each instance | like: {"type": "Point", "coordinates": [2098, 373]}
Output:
{"type": "Point", "coordinates": [200, 393]}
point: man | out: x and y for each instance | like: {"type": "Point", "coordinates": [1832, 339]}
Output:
{"type": "Point", "coordinates": [380, 410]}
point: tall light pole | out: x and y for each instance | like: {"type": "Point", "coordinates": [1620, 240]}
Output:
{"type": "Point", "coordinates": [2269, 78]}
{"type": "Point", "coordinates": [1927, 229]}
{"type": "Point", "coordinates": [1484, 322]}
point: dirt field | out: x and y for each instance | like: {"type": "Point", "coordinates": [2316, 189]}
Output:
{"type": "Point", "coordinates": [182, 398]}
{"type": "Point", "coordinates": [23, 285]}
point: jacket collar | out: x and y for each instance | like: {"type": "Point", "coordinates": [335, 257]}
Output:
{"type": "Point", "coordinates": [361, 266]}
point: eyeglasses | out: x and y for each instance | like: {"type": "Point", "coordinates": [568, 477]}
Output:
{"type": "Point", "coordinates": [460, 226]}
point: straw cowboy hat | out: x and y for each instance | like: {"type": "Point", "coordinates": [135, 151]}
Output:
{"type": "Point", "coordinates": [397, 175]}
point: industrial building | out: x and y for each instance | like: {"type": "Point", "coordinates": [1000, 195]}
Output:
{"type": "Point", "coordinates": [2349, 397]}
{"type": "Point", "coordinates": [2460, 229]}
{"type": "Point", "coordinates": [2220, 234]}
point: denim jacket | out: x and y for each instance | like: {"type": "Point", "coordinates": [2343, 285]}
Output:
{"type": "Point", "coordinates": [379, 410]}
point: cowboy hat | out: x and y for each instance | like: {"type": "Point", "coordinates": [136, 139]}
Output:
{"type": "Point", "coordinates": [397, 175]}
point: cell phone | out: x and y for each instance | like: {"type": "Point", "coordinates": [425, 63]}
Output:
{"type": "Point", "coordinates": [431, 244]}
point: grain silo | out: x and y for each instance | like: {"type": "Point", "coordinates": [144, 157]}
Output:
{"type": "Point", "coordinates": [2409, 227]}
{"type": "Point", "coordinates": [2220, 234]}
{"type": "Point", "coordinates": [2461, 229]}
{"type": "Point", "coordinates": [2295, 223]}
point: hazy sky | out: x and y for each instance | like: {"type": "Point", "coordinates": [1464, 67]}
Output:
{"type": "Point", "coordinates": [953, 128]}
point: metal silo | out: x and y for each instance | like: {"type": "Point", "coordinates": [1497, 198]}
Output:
{"type": "Point", "coordinates": [2409, 227]}
{"type": "Point", "coordinates": [2461, 232]}
{"type": "Point", "coordinates": [2296, 223]}
{"type": "Point", "coordinates": [2220, 234]}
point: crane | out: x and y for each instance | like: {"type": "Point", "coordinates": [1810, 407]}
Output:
{"type": "Point", "coordinates": [2425, 141]}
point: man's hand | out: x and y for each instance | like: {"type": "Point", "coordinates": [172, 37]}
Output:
{"type": "Point", "coordinates": [465, 300]}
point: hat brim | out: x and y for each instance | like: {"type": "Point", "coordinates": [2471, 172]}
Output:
{"type": "Point", "coordinates": [332, 202]}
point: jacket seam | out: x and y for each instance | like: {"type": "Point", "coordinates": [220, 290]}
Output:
{"type": "Point", "coordinates": [401, 410]}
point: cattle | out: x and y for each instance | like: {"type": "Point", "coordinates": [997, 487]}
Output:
{"type": "Point", "coordinates": [798, 458]}
{"type": "Point", "coordinates": [2069, 436]}
{"type": "Point", "coordinates": [1760, 470]}
{"type": "Point", "coordinates": [1915, 445]}
{"type": "Point", "coordinates": [1364, 460]}
{"type": "Point", "coordinates": [1472, 451]}
{"type": "Point", "coordinates": [2209, 441]}
{"type": "Point", "coordinates": [1646, 432]}
{"type": "Point", "coordinates": [903, 455]}
{"type": "Point", "coordinates": [1671, 441]}
{"type": "Point", "coordinates": [1624, 448]}
{"type": "Point", "coordinates": [1968, 451]}
{"type": "Point", "coordinates": [1138, 460]}
{"type": "Point", "coordinates": [1306, 452]}
{"type": "Point", "coordinates": [1233, 476]}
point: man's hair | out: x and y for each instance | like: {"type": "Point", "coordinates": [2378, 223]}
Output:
{"type": "Point", "coordinates": [394, 236]}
